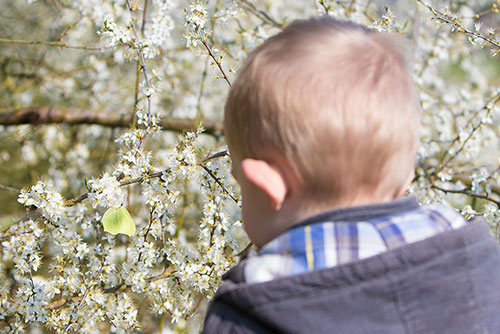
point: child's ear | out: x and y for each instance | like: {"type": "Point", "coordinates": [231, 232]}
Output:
{"type": "Point", "coordinates": [407, 184]}
{"type": "Point", "coordinates": [267, 178]}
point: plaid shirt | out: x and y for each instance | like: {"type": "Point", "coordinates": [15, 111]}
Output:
{"type": "Point", "coordinates": [326, 243]}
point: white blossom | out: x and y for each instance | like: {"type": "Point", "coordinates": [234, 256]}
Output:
{"type": "Point", "coordinates": [105, 192]}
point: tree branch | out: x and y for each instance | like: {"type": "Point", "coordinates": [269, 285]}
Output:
{"type": "Point", "coordinates": [127, 182]}
{"type": "Point", "coordinates": [262, 15]}
{"type": "Point", "coordinates": [143, 66]}
{"type": "Point", "coordinates": [454, 22]}
{"type": "Point", "coordinates": [64, 301]}
{"type": "Point", "coordinates": [468, 193]}
{"type": "Point", "coordinates": [467, 181]}
{"type": "Point", "coordinates": [9, 188]}
{"type": "Point", "coordinates": [491, 102]}
{"type": "Point", "coordinates": [58, 44]}
{"type": "Point", "coordinates": [216, 179]}
{"type": "Point", "coordinates": [49, 115]}
{"type": "Point", "coordinates": [217, 62]}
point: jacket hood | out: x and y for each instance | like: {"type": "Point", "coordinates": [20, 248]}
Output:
{"type": "Point", "coordinates": [404, 290]}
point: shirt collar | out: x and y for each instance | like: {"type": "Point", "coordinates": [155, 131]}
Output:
{"type": "Point", "coordinates": [352, 214]}
{"type": "Point", "coordinates": [364, 212]}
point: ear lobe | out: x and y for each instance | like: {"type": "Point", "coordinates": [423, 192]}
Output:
{"type": "Point", "coordinates": [407, 184]}
{"type": "Point", "coordinates": [267, 178]}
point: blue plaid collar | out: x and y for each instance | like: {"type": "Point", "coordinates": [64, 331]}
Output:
{"type": "Point", "coordinates": [349, 234]}
{"type": "Point", "coordinates": [364, 212]}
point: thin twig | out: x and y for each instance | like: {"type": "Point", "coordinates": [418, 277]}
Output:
{"type": "Point", "coordinates": [217, 62]}
{"type": "Point", "coordinates": [63, 301]}
{"type": "Point", "coordinates": [82, 300]}
{"type": "Point", "coordinates": [442, 164]}
{"type": "Point", "coordinates": [217, 180]}
{"type": "Point", "coordinates": [215, 155]}
{"type": "Point", "coordinates": [8, 236]}
{"type": "Point", "coordinates": [138, 70]}
{"type": "Point", "coordinates": [145, 73]}
{"type": "Point", "coordinates": [126, 182]}
{"type": "Point", "coordinates": [3, 187]}
{"type": "Point", "coordinates": [460, 28]}
{"type": "Point", "coordinates": [325, 7]}
{"type": "Point", "coordinates": [466, 192]}
{"type": "Point", "coordinates": [262, 15]}
{"type": "Point", "coordinates": [144, 14]}
{"type": "Point", "coordinates": [244, 250]}
{"type": "Point", "coordinates": [213, 21]}
{"type": "Point", "coordinates": [148, 229]}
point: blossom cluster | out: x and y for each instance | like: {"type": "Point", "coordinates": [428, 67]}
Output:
{"type": "Point", "coordinates": [45, 198]}
{"type": "Point", "coordinates": [106, 192]}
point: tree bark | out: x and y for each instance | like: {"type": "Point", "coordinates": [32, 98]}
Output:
{"type": "Point", "coordinates": [49, 115]}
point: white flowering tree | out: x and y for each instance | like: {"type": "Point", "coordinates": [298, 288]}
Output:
{"type": "Point", "coordinates": [118, 211]}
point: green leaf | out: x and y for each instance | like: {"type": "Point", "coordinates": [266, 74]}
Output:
{"type": "Point", "coordinates": [6, 222]}
{"type": "Point", "coordinates": [118, 221]}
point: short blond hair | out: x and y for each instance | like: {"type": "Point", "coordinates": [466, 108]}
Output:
{"type": "Point", "coordinates": [336, 100]}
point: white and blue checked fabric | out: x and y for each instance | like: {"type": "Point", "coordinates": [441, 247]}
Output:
{"type": "Point", "coordinates": [330, 243]}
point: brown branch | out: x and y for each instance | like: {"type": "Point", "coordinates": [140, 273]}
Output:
{"type": "Point", "coordinates": [217, 62]}
{"type": "Point", "coordinates": [58, 44]}
{"type": "Point", "coordinates": [127, 182]}
{"type": "Point", "coordinates": [466, 181]}
{"type": "Point", "coordinates": [491, 102]}
{"type": "Point", "coordinates": [468, 193]}
{"type": "Point", "coordinates": [61, 302]}
{"type": "Point", "coordinates": [262, 15]}
{"type": "Point", "coordinates": [9, 188]}
{"type": "Point", "coordinates": [8, 236]}
{"type": "Point", "coordinates": [73, 314]}
{"type": "Point", "coordinates": [218, 181]}
{"type": "Point", "coordinates": [144, 15]}
{"type": "Point", "coordinates": [48, 115]}
{"type": "Point", "coordinates": [244, 250]}
{"type": "Point", "coordinates": [143, 66]}
{"type": "Point", "coordinates": [460, 27]}
{"type": "Point", "coordinates": [215, 155]}
{"type": "Point", "coordinates": [325, 7]}
{"type": "Point", "coordinates": [64, 301]}
{"type": "Point", "coordinates": [123, 183]}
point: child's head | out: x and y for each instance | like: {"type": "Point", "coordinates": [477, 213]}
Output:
{"type": "Point", "coordinates": [332, 104]}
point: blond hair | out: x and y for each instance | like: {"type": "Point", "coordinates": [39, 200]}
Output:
{"type": "Point", "coordinates": [336, 100]}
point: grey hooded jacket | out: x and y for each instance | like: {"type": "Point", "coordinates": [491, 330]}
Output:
{"type": "Point", "coordinates": [449, 283]}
